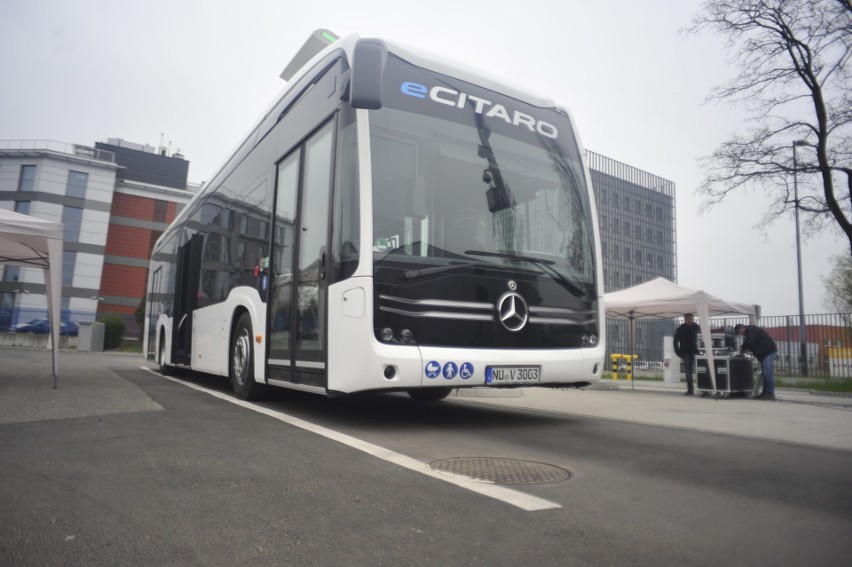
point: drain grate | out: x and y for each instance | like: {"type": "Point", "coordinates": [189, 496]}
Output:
{"type": "Point", "coordinates": [502, 471]}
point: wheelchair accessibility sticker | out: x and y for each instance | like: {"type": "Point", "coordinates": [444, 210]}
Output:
{"type": "Point", "coordinates": [466, 370]}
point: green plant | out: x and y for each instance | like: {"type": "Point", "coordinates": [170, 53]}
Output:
{"type": "Point", "coordinates": [140, 314]}
{"type": "Point", "coordinates": [130, 345]}
{"type": "Point", "coordinates": [113, 330]}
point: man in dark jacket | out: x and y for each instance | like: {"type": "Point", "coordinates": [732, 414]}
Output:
{"type": "Point", "coordinates": [686, 347]}
{"type": "Point", "coordinates": [761, 345]}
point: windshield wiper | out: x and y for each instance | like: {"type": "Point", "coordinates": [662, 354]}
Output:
{"type": "Point", "coordinates": [414, 274]}
{"type": "Point", "coordinates": [510, 256]}
{"type": "Point", "coordinates": [545, 265]}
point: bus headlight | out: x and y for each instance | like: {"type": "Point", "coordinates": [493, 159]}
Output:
{"type": "Point", "coordinates": [387, 334]}
{"type": "Point", "coordinates": [406, 335]}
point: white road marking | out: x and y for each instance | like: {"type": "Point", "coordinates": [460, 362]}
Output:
{"type": "Point", "coordinates": [507, 495]}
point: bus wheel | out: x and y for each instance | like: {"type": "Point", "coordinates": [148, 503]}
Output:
{"type": "Point", "coordinates": [165, 370]}
{"type": "Point", "coordinates": [429, 394]}
{"type": "Point", "coordinates": [241, 367]}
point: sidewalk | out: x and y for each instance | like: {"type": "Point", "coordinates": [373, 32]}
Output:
{"type": "Point", "coordinates": [90, 384]}
{"type": "Point", "coordinates": [85, 385]}
{"type": "Point", "coordinates": [797, 417]}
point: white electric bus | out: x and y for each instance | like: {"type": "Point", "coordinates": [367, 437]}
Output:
{"type": "Point", "coordinates": [393, 222]}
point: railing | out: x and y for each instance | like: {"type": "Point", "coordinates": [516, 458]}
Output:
{"type": "Point", "coordinates": [58, 147]}
{"type": "Point", "coordinates": [827, 340]}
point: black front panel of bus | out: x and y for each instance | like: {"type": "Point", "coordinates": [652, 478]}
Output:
{"type": "Point", "coordinates": [461, 309]}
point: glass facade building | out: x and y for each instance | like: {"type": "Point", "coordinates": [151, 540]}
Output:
{"type": "Point", "coordinates": [636, 211]}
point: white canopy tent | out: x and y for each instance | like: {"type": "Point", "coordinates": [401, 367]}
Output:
{"type": "Point", "coordinates": [31, 242]}
{"type": "Point", "coordinates": [662, 299]}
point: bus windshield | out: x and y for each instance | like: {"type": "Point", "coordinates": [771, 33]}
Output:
{"type": "Point", "coordinates": [454, 192]}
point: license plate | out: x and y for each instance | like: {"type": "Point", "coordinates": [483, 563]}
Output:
{"type": "Point", "coordinates": [512, 374]}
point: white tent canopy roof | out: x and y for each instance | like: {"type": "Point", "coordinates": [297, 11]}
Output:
{"type": "Point", "coordinates": [28, 241]}
{"type": "Point", "coordinates": [663, 299]}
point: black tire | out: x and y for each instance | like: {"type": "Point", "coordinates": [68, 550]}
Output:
{"type": "Point", "coordinates": [165, 369]}
{"type": "Point", "coordinates": [429, 394]}
{"type": "Point", "coordinates": [241, 360]}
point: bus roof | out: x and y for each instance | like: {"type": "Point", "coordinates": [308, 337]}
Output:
{"type": "Point", "coordinates": [302, 62]}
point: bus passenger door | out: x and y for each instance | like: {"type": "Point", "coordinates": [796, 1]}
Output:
{"type": "Point", "coordinates": [297, 318]}
{"type": "Point", "coordinates": [186, 298]}
{"type": "Point", "coordinates": [281, 266]}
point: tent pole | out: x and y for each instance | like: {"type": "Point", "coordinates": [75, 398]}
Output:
{"type": "Point", "coordinates": [630, 354]}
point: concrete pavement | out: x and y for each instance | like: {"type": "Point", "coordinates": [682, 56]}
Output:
{"type": "Point", "coordinates": [797, 417]}
{"type": "Point", "coordinates": [88, 387]}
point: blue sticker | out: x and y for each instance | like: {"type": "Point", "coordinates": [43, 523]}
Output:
{"type": "Point", "coordinates": [466, 370]}
{"type": "Point", "coordinates": [433, 369]}
{"type": "Point", "coordinates": [263, 282]}
{"type": "Point", "coordinates": [450, 370]}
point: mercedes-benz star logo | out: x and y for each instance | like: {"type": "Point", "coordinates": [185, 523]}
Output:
{"type": "Point", "coordinates": [512, 311]}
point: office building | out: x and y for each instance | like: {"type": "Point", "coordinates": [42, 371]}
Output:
{"type": "Point", "coordinates": [113, 199]}
{"type": "Point", "coordinates": [636, 212]}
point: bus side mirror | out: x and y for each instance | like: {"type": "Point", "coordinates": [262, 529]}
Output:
{"type": "Point", "coordinates": [368, 69]}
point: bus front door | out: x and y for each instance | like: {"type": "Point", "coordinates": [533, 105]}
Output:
{"type": "Point", "coordinates": [297, 337]}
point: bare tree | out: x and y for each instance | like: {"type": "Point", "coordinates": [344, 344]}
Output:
{"type": "Point", "coordinates": [838, 285]}
{"type": "Point", "coordinates": [794, 79]}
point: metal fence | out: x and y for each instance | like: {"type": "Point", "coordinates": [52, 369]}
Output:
{"type": "Point", "coordinates": [827, 342]}
{"type": "Point", "coordinates": [827, 338]}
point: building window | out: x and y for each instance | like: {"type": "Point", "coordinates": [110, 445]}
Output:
{"type": "Point", "coordinates": [69, 259]}
{"type": "Point", "coordinates": [160, 208]}
{"type": "Point", "coordinates": [77, 182]}
{"type": "Point", "coordinates": [72, 219]}
{"type": "Point", "coordinates": [11, 273]}
{"type": "Point", "coordinates": [27, 180]}
{"type": "Point", "coordinates": [22, 207]}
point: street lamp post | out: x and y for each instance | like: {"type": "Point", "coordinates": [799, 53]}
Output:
{"type": "Point", "coordinates": [803, 348]}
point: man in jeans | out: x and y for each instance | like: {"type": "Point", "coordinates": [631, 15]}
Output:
{"type": "Point", "coordinates": [686, 347]}
{"type": "Point", "coordinates": [761, 345]}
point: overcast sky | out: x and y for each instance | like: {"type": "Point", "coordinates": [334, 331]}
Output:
{"type": "Point", "coordinates": [198, 73]}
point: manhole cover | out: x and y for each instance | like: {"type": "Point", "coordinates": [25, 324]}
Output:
{"type": "Point", "coordinates": [502, 471]}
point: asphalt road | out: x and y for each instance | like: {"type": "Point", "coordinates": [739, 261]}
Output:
{"type": "Point", "coordinates": [121, 466]}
